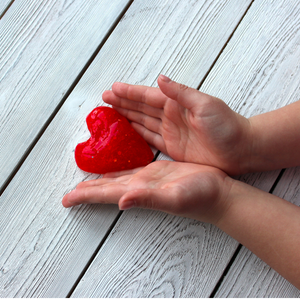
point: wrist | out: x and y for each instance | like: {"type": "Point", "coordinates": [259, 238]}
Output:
{"type": "Point", "coordinates": [246, 144]}
{"type": "Point", "coordinates": [228, 190]}
{"type": "Point", "coordinates": [255, 160]}
{"type": "Point", "coordinates": [274, 139]}
{"type": "Point", "coordinates": [233, 203]}
{"type": "Point", "coordinates": [265, 224]}
{"type": "Point", "coordinates": [254, 157]}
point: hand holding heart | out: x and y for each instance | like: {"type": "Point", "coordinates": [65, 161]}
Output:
{"type": "Point", "coordinates": [197, 128]}
{"type": "Point", "coordinates": [182, 189]}
{"type": "Point", "coordinates": [186, 124]}
{"type": "Point", "coordinates": [181, 124]}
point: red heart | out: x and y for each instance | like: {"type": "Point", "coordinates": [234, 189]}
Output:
{"type": "Point", "coordinates": [114, 145]}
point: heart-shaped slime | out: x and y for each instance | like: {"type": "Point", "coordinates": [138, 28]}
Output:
{"type": "Point", "coordinates": [113, 146]}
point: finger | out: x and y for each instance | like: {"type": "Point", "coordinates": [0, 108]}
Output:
{"type": "Point", "coordinates": [122, 174]}
{"type": "Point", "coordinates": [150, 137]}
{"type": "Point", "coordinates": [117, 102]}
{"type": "Point", "coordinates": [104, 180]}
{"type": "Point", "coordinates": [186, 96]}
{"type": "Point", "coordinates": [94, 194]}
{"type": "Point", "coordinates": [148, 95]}
{"type": "Point", "coordinates": [112, 177]}
{"type": "Point", "coordinates": [150, 123]}
{"type": "Point", "coordinates": [156, 199]}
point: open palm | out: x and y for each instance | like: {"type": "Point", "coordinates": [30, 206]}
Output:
{"type": "Point", "coordinates": [184, 123]}
{"type": "Point", "coordinates": [184, 189]}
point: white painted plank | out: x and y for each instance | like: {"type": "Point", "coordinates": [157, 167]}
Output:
{"type": "Point", "coordinates": [44, 46]}
{"type": "Point", "coordinates": [4, 5]}
{"type": "Point", "coordinates": [152, 254]}
{"type": "Point", "coordinates": [30, 206]}
{"type": "Point", "coordinates": [262, 60]}
{"type": "Point", "coordinates": [249, 276]}
{"type": "Point", "coordinates": [249, 70]}
{"type": "Point", "coordinates": [273, 81]}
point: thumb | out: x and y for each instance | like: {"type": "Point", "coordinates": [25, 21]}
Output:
{"type": "Point", "coordinates": [147, 198]}
{"type": "Point", "coordinates": [184, 95]}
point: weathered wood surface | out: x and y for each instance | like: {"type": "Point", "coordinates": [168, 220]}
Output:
{"type": "Point", "coordinates": [152, 254]}
{"type": "Point", "coordinates": [273, 81]}
{"type": "Point", "coordinates": [44, 246]}
{"type": "Point", "coordinates": [44, 45]}
{"type": "Point", "coordinates": [176, 257]}
{"type": "Point", "coordinates": [249, 276]}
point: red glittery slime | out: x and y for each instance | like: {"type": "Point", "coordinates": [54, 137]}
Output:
{"type": "Point", "coordinates": [114, 145]}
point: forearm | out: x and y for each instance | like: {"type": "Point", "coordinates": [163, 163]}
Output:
{"type": "Point", "coordinates": [275, 139]}
{"type": "Point", "coordinates": [268, 226]}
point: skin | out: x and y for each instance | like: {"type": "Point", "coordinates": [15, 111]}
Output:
{"type": "Point", "coordinates": [209, 141]}
{"type": "Point", "coordinates": [191, 126]}
{"type": "Point", "coordinates": [184, 123]}
{"type": "Point", "coordinates": [267, 225]}
{"type": "Point", "coordinates": [182, 189]}
{"type": "Point", "coordinates": [264, 223]}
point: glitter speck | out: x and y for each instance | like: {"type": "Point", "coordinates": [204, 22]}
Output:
{"type": "Point", "coordinates": [129, 161]}
{"type": "Point", "coordinates": [115, 160]}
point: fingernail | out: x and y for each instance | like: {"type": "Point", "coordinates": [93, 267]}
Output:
{"type": "Point", "coordinates": [165, 78]}
{"type": "Point", "coordinates": [127, 205]}
{"type": "Point", "coordinates": [66, 200]}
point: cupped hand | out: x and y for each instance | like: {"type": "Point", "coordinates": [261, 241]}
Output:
{"type": "Point", "coordinates": [186, 124]}
{"type": "Point", "coordinates": [182, 189]}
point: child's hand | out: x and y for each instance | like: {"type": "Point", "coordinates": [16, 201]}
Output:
{"type": "Point", "coordinates": [183, 189]}
{"type": "Point", "coordinates": [186, 124]}
{"type": "Point", "coordinates": [262, 222]}
{"type": "Point", "coordinates": [191, 126]}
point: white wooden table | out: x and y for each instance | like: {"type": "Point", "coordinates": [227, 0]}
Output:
{"type": "Point", "coordinates": [56, 59]}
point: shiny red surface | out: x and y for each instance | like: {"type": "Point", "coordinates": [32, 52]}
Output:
{"type": "Point", "coordinates": [113, 146]}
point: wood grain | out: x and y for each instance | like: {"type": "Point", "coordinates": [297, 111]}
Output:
{"type": "Point", "coordinates": [261, 61]}
{"type": "Point", "coordinates": [272, 63]}
{"type": "Point", "coordinates": [152, 254]}
{"type": "Point", "coordinates": [250, 276]}
{"type": "Point", "coordinates": [256, 64]}
{"type": "Point", "coordinates": [44, 246]}
{"type": "Point", "coordinates": [177, 257]}
{"type": "Point", "coordinates": [44, 46]}
{"type": "Point", "coordinates": [31, 208]}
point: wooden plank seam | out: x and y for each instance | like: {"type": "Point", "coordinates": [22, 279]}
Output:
{"type": "Point", "coordinates": [154, 159]}
{"type": "Point", "coordinates": [100, 245]}
{"type": "Point", "coordinates": [239, 247]}
{"type": "Point", "coordinates": [64, 98]}
{"type": "Point", "coordinates": [6, 8]}
{"type": "Point", "coordinates": [225, 45]}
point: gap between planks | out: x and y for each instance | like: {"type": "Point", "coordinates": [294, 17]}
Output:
{"type": "Point", "coordinates": [229, 38]}
{"type": "Point", "coordinates": [69, 91]}
{"type": "Point", "coordinates": [100, 245]}
{"type": "Point", "coordinates": [275, 181]}
{"type": "Point", "coordinates": [7, 8]}
{"type": "Point", "coordinates": [94, 255]}
{"type": "Point", "coordinates": [239, 247]}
